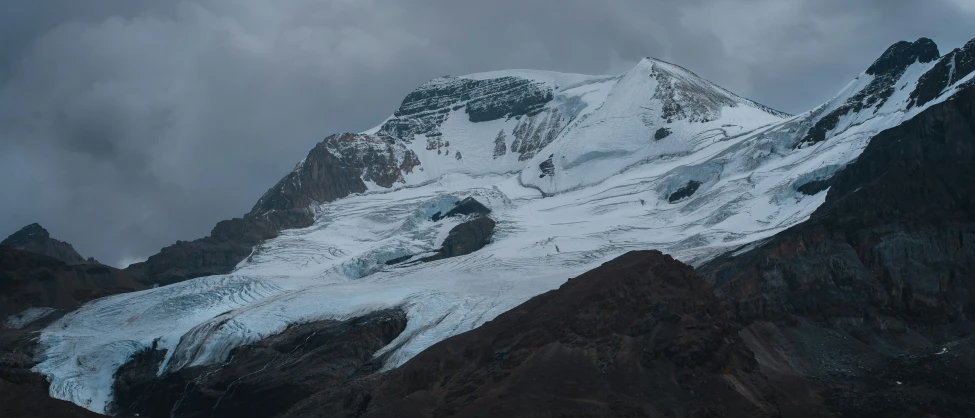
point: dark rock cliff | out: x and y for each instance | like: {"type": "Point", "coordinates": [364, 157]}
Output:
{"type": "Point", "coordinates": [33, 280]}
{"type": "Point", "coordinates": [886, 71]}
{"type": "Point", "coordinates": [36, 239]}
{"type": "Point", "coordinates": [426, 108]}
{"type": "Point", "coordinates": [952, 68]}
{"type": "Point", "coordinates": [463, 239]}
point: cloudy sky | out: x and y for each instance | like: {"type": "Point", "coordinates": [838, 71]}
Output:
{"type": "Point", "coordinates": [128, 124]}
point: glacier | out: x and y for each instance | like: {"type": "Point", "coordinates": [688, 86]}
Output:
{"type": "Point", "coordinates": [608, 191]}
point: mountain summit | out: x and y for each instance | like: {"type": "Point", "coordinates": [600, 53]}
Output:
{"type": "Point", "coordinates": [36, 239]}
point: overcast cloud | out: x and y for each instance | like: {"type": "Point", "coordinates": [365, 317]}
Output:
{"type": "Point", "coordinates": [128, 124]}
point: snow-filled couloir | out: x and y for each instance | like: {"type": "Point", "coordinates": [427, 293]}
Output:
{"type": "Point", "coordinates": [575, 170]}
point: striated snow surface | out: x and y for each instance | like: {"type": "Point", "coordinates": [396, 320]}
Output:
{"type": "Point", "coordinates": [27, 316]}
{"type": "Point", "coordinates": [611, 192]}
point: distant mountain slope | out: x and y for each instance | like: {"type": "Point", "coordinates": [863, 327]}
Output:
{"type": "Point", "coordinates": [29, 280]}
{"type": "Point", "coordinates": [36, 239]}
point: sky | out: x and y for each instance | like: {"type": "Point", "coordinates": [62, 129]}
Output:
{"type": "Point", "coordinates": [126, 125]}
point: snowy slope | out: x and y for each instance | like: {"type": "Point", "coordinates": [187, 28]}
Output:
{"type": "Point", "coordinates": [726, 175]}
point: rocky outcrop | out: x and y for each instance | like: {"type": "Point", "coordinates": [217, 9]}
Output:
{"type": "Point", "coordinates": [813, 187]}
{"type": "Point", "coordinates": [952, 68]}
{"type": "Point", "coordinates": [425, 109]}
{"type": "Point", "coordinates": [36, 239]}
{"type": "Point", "coordinates": [466, 207]}
{"type": "Point", "coordinates": [500, 144]}
{"type": "Point", "coordinates": [641, 335]}
{"type": "Point", "coordinates": [686, 96]}
{"type": "Point", "coordinates": [683, 192]}
{"type": "Point", "coordinates": [886, 71]}
{"type": "Point", "coordinates": [661, 134]}
{"type": "Point", "coordinates": [337, 167]}
{"type": "Point", "coordinates": [261, 379]}
{"type": "Point", "coordinates": [28, 397]}
{"type": "Point", "coordinates": [463, 239]}
{"type": "Point", "coordinates": [547, 167]}
{"type": "Point", "coordinates": [229, 243]}
{"type": "Point", "coordinates": [535, 132]}
{"type": "Point", "coordinates": [33, 280]}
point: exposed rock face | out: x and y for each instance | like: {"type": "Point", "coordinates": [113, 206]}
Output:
{"type": "Point", "coordinates": [500, 144]}
{"type": "Point", "coordinates": [33, 280]}
{"type": "Point", "coordinates": [902, 54]}
{"type": "Point", "coordinates": [547, 167]}
{"type": "Point", "coordinates": [684, 191]}
{"type": "Point", "coordinates": [465, 238]}
{"type": "Point", "coordinates": [869, 303]}
{"type": "Point", "coordinates": [671, 88]}
{"type": "Point", "coordinates": [36, 239]}
{"type": "Point", "coordinates": [813, 187]}
{"type": "Point", "coordinates": [951, 69]}
{"type": "Point", "coordinates": [262, 379]}
{"type": "Point", "coordinates": [894, 236]}
{"type": "Point", "coordinates": [885, 71]}
{"type": "Point", "coordinates": [426, 108]}
{"type": "Point", "coordinates": [337, 167]}
{"type": "Point", "coordinates": [468, 206]}
{"type": "Point", "coordinates": [661, 134]}
{"type": "Point", "coordinates": [640, 336]}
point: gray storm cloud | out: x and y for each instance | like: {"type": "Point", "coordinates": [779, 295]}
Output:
{"type": "Point", "coordinates": [125, 126]}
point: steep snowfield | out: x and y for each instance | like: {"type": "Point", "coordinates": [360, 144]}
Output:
{"type": "Point", "coordinates": [612, 190]}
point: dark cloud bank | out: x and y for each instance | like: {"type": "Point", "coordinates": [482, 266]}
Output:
{"type": "Point", "coordinates": [126, 125]}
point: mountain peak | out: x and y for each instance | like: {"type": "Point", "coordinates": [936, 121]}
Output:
{"type": "Point", "coordinates": [902, 54]}
{"type": "Point", "coordinates": [34, 238]}
{"type": "Point", "coordinates": [688, 95]}
{"type": "Point", "coordinates": [29, 233]}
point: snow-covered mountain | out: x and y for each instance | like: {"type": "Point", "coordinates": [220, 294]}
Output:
{"type": "Point", "coordinates": [573, 170]}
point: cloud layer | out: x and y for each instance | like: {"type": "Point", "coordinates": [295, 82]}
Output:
{"type": "Point", "coordinates": [125, 126]}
